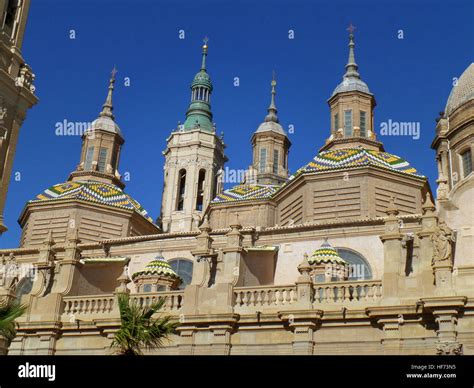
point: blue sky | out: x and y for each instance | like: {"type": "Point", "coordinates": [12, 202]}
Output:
{"type": "Point", "coordinates": [411, 77]}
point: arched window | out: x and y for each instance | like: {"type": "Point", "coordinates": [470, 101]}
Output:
{"type": "Point", "coordinates": [23, 287]}
{"type": "Point", "coordinates": [147, 288]}
{"type": "Point", "coordinates": [348, 123]}
{"type": "Point", "coordinates": [102, 159]}
{"type": "Point", "coordinates": [89, 157]}
{"type": "Point", "coordinates": [200, 190]}
{"type": "Point", "coordinates": [363, 127]}
{"type": "Point", "coordinates": [466, 158]}
{"type": "Point", "coordinates": [263, 159]}
{"type": "Point", "coordinates": [275, 161]}
{"type": "Point", "coordinates": [181, 190]}
{"type": "Point", "coordinates": [359, 268]}
{"type": "Point", "coordinates": [184, 268]}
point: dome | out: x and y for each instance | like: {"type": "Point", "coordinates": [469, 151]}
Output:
{"type": "Point", "coordinates": [271, 126]}
{"type": "Point", "coordinates": [90, 191]}
{"type": "Point", "coordinates": [158, 266]}
{"type": "Point", "coordinates": [351, 84]}
{"type": "Point", "coordinates": [202, 78]}
{"type": "Point", "coordinates": [107, 124]}
{"type": "Point", "coordinates": [346, 158]}
{"type": "Point", "coordinates": [245, 192]}
{"type": "Point", "coordinates": [326, 254]}
{"type": "Point", "coordinates": [462, 92]}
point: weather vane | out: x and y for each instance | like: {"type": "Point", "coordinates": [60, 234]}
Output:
{"type": "Point", "coordinates": [205, 40]}
{"type": "Point", "coordinates": [273, 78]}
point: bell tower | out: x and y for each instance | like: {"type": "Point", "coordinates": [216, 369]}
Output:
{"type": "Point", "coordinates": [194, 159]}
{"type": "Point", "coordinates": [101, 145]}
{"type": "Point", "coordinates": [352, 109]}
{"type": "Point", "coordinates": [17, 92]}
{"type": "Point", "coordinates": [270, 145]}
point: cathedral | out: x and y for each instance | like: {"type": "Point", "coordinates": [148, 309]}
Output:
{"type": "Point", "coordinates": [350, 254]}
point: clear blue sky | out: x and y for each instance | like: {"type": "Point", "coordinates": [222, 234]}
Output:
{"type": "Point", "coordinates": [411, 78]}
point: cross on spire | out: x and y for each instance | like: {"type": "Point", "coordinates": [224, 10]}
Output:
{"type": "Point", "coordinates": [351, 28]}
{"type": "Point", "coordinates": [114, 71]}
{"type": "Point", "coordinates": [205, 40]}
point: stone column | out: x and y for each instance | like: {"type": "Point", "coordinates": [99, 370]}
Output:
{"type": "Point", "coordinates": [428, 226]}
{"type": "Point", "coordinates": [446, 311]}
{"type": "Point", "coordinates": [393, 262]}
{"type": "Point", "coordinates": [304, 286]}
{"type": "Point", "coordinates": [303, 324]}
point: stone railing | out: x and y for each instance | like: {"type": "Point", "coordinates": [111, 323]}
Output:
{"type": "Point", "coordinates": [250, 298]}
{"type": "Point", "coordinates": [173, 299]}
{"type": "Point", "coordinates": [363, 291]}
{"type": "Point", "coordinates": [89, 305]}
{"type": "Point", "coordinates": [97, 306]}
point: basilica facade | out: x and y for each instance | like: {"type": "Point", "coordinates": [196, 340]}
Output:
{"type": "Point", "coordinates": [350, 254]}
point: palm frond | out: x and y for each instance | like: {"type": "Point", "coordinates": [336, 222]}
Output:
{"type": "Point", "coordinates": [9, 311]}
{"type": "Point", "coordinates": [138, 327]}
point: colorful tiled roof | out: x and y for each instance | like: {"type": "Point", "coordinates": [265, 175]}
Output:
{"type": "Point", "coordinates": [98, 192]}
{"type": "Point", "coordinates": [246, 192]}
{"type": "Point", "coordinates": [326, 254]}
{"type": "Point", "coordinates": [345, 158]}
{"type": "Point", "coordinates": [158, 266]}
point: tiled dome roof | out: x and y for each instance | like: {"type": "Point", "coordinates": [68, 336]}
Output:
{"type": "Point", "coordinates": [326, 254]}
{"type": "Point", "coordinates": [345, 158]}
{"type": "Point", "coordinates": [96, 192]}
{"type": "Point", "coordinates": [462, 92]}
{"type": "Point", "coordinates": [246, 192]}
{"type": "Point", "coordinates": [158, 266]}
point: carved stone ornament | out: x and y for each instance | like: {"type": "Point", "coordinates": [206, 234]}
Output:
{"type": "Point", "coordinates": [443, 239]}
{"type": "Point", "coordinates": [449, 348]}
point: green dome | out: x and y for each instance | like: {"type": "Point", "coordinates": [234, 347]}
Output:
{"type": "Point", "coordinates": [202, 78]}
{"type": "Point", "coordinates": [326, 254]}
{"type": "Point", "coordinates": [158, 266]}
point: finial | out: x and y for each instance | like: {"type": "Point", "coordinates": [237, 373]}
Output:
{"type": "Point", "coordinates": [428, 206]}
{"type": "Point", "coordinates": [204, 53]}
{"type": "Point", "coordinates": [351, 29]}
{"type": "Point", "coordinates": [107, 108]}
{"type": "Point", "coordinates": [351, 67]}
{"type": "Point", "coordinates": [272, 109]}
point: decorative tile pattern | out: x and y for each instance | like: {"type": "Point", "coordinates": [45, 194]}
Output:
{"type": "Point", "coordinates": [158, 266]}
{"type": "Point", "coordinates": [98, 192]}
{"type": "Point", "coordinates": [356, 157]}
{"type": "Point", "coordinates": [246, 192]}
{"type": "Point", "coordinates": [326, 254]}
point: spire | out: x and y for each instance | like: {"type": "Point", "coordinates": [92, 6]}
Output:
{"type": "Point", "coordinates": [199, 115]}
{"type": "Point", "coordinates": [107, 108]}
{"type": "Point", "coordinates": [351, 67]}
{"type": "Point", "coordinates": [272, 109]}
{"type": "Point", "coordinates": [204, 53]}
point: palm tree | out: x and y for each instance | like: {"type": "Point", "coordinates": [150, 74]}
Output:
{"type": "Point", "coordinates": [138, 329]}
{"type": "Point", "coordinates": [9, 311]}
